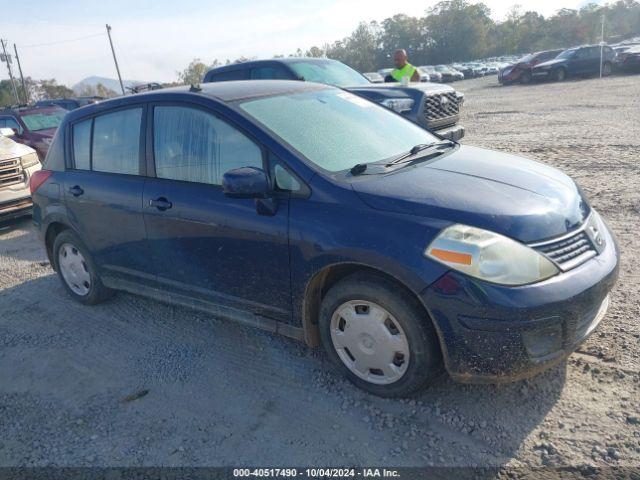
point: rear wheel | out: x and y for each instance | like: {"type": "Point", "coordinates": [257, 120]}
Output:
{"type": "Point", "coordinates": [559, 74]}
{"type": "Point", "coordinates": [378, 336]}
{"type": "Point", "coordinates": [77, 270]}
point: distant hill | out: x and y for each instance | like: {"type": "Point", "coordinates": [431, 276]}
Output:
{"type": "Point", "coordinates": [110, 83]}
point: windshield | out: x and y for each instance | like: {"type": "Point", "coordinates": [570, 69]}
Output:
{"type": "Point", "coordinates": [567, 53]}
{"type": "Point", "coordinates": [335, 129]}
{"type": "Point", "coordinates": [527, 58]}
{"type": "Point", "coordinates": [328, 72]}
{"type": "Point", "coordinates": [43, 120]}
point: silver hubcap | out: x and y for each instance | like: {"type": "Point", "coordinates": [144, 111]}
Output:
{"type": "Point", "coordinates": [74, 269]}
{"type": "Point", "coordinates": [370, 342]}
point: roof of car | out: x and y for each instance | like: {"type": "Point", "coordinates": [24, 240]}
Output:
{"type": "Point", "coordinates": [222, 91]}
{"type": "Point", "coordinates": [253, 63]}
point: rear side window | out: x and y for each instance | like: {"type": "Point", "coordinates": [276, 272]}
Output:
{"type": "Point", "coordinates": [116, 142]}
{"type": "Point", "coordinates": [227, 76]}
{"type": "Point", "coordinates": [274, 72]}
{"type": "Point", "coordinates": [82, 145]}
{"type": "Point", "coordinates": [195, 146]}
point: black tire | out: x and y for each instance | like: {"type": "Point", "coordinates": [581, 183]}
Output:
{"type": "Point", "coordinates": [560, 74]}
{"type": "Point", "coordinates": [607, 68]}
{"type": "Point", "coordinates": [525, 78]}
{"type": "Point", "coordinates": [425, 359]}
{"type": "Point", "coordinates": [97, 292]}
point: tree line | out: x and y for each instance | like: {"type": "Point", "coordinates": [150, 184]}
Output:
{"type": "Point", "coordinates": [462, 30]}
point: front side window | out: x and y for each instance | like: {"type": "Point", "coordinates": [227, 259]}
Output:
{"type": "Point", "coordinates": [195, 146]}
{"type": "Point", "coordinates": [269, 73]}
{"type": "Point", "coordinates": [81, 145]}
{"type": "Point", "coordinates": [335, 129]}
{"type": "Point", "coordinates": [328, 72]}
{"type": "Point", "coordinates": [10, 122]}
{"type": "Point", "coordinates": [116, 142]}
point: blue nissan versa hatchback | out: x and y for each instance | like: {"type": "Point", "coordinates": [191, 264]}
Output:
{"type": "Point", "coordinates": [309, 211]}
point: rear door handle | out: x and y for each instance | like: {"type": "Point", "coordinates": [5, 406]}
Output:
{"type": "Point", "coordinates": [76, 191]}
{"type": "Point", "coordinates": [161, 203]}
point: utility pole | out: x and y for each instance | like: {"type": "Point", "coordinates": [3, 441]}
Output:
{"type": "Point", "coordinates": [115, 60]}
{"type": "Point", "coordinates": [24, 85]}
{"type": "Point", "coordinates": [8, 60]}
{"type": "Point", "coordinates": [601, 44]}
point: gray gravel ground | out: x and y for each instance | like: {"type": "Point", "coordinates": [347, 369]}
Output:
{"type": "Point", "coordinates": [133, 382]}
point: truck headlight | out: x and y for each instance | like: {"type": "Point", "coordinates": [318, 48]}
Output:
{"type": "Point", "coordinates": [489, 256]}
{"type": "Point", "coordinates": [29, 160]}
{"type": "Point", "coordinates": [398, 104]}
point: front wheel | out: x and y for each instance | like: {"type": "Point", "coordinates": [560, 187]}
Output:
{"type": "Point", "coordinates": [379, 336]}
{"type": "Point", "coordinates": [606, 69]}
{"type": "Point", "coordinates": [525, 78]}
{"type": "Point", "coordinates": [559, 75]}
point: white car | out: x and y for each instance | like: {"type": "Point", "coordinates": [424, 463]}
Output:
{"type": "Point", "coordinates": [17, 164]}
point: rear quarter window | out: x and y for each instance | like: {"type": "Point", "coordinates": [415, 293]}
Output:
{"type": "Point", "coordinates": [81, 134]}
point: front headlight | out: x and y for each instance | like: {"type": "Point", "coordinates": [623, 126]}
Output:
{"type": "Point", "coordinates": [398, 104]}
{"type": "Point", "coordinates": [489, 256]}
{"type": "Point", "coordinates": [29, 160]}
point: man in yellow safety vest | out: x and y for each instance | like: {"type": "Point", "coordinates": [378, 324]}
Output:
{"type": "Point", "coordinates": [404, 68]}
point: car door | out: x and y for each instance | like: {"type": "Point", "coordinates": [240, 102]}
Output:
{"type": "Point", "coordinates": [103, 192]}
{"type": "Point", "coordinates": [206, 244]}
{"type": "Point", "coordinates": [579, 62]}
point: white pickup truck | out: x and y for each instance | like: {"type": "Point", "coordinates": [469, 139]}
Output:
{"type": "Point", "coordinates": [17, 164]}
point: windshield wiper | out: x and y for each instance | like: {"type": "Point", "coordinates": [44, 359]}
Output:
{"type": "Point", "coordinates": [417, 149]}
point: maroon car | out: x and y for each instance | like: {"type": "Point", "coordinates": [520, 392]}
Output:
{"type": "Point", "coordinates": [34, 126]}
{"type": "Point", "coordinates": [521, 70]}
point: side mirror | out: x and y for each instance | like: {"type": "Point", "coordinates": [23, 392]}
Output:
{"type": "Point", "coordinates": [245, 182]}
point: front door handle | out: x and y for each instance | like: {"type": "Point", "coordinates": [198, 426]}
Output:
{"type": "Point", "coordinates": [76, 191]}
{"type": "Point", "coordinates": [161, 204]}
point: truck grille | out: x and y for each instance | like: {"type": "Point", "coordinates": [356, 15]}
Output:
{"type": "Point", "coordinates": [441, 109]}
{"type": "Point", "coordinates": [11, 172]}
{"type": "Point", "coordinates": [569, 251]}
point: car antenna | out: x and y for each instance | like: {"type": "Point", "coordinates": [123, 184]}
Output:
{"type": "Point", "coordinates": [195, 87]}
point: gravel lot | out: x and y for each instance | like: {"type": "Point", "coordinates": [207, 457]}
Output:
{"type": "Point", "coordinates": [133, 382]}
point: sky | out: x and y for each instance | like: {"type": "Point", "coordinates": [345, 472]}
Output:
{"type": "Point", "coordinates": [154, 39]}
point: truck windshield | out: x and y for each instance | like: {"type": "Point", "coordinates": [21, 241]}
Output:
{"type": "Point", "coordinates": [335, 129]}
{"type": "Point", "coordinates": [328, 72]}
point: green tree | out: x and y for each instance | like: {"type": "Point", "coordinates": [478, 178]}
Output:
{"type": "Point", "coordinates": [194, 72]}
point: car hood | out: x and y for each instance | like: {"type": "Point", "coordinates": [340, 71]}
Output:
{"type": "Point", "coordinates": [550, 63]}
{"type": "Point", "coordinates": [40, 134]}
{"type": "Point", "coordinates": [511, 195]}
{"type": "Point", "coordinates": [10, 149]}
{"type": "Point", "coordinates": [394, 90]}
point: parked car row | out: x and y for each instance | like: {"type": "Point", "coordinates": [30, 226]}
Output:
{"type": "Point", "coordinates": [578, 61]}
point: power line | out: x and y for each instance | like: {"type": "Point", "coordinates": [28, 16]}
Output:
{"type": "Point", "coordinates": [101, 34]}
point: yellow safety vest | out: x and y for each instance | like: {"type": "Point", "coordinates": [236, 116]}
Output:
{"type": "Point", "coordinates": [407, 71]}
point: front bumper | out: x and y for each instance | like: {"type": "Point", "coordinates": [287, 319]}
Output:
{"type": "Point", "coordinates": [455, 132]}
{"type": "Point", "coordinates": [492, 333]}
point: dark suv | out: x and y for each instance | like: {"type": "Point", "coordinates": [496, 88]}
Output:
{"type": "Point", "coordinates": [308, 211]}
{"type": "Point", "coordinates": [520, 71]}
{"type": "Point", "coordinates": [436, 107]}
{"type": "Point", "coordinates": [578, 61]}
{"type": "Point", "coordinates": [33, 126]}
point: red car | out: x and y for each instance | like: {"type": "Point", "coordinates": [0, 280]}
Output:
{"type": "Point", "coordinates": [521, 70]}
{"type": "Point", "coordinates": [34, 126]}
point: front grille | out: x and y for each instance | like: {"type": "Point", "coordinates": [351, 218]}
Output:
{"type": "Point", "coordinates": [440, 107]}
{"type": "Point", "coordinates": [10, 172]}
{"type": "Point", "coordinates": [569, 251]}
